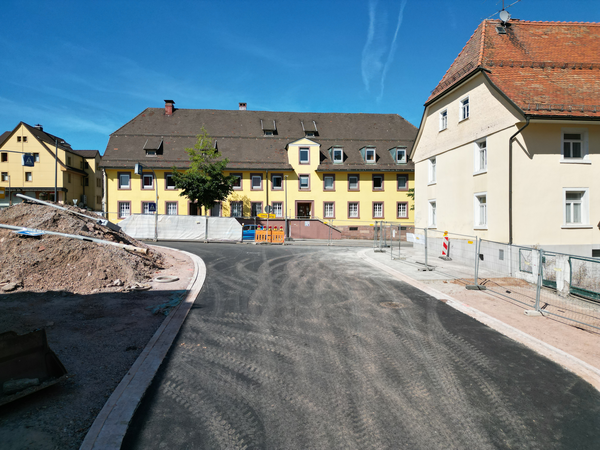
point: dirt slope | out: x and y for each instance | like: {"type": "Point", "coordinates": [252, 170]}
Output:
{"type": "Point", "coordinates": [54, 263]}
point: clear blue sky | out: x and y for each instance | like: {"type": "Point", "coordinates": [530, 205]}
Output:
{"type": "Point", "coordinates": [84, 68]}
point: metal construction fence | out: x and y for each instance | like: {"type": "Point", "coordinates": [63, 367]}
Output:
{"type": "Point", "coordinates": [549, 283]}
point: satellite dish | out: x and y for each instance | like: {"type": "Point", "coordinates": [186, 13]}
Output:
{"type": "Point", "coordinates": [504, 16]}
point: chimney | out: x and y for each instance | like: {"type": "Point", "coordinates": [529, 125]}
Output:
{"type": "Point", "coordinates": [39, 127]}
{"type": "Point", "coordinates": [242, 107]}
{"type": "Point", "coordinates": [169, 107]}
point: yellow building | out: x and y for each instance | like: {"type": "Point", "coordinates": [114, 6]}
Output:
{"type": "Point", "coordinates": [74, 174]}
{"type": "Point", "coordinates": [509, 144]}
{"type": "Point", "coordinates": [346, 169]}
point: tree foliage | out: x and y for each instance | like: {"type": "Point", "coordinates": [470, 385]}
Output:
{"type": "Point", "coordinates": [204, 182]}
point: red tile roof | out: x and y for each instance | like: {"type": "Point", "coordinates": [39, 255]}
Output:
{"type": "Point", "coordinates": [545, 68]}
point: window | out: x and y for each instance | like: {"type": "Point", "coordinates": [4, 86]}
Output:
{"type": "Point", "coordinates": [36, 157]}
{"type": "Point", "coordinates": [329, 182]}
{"type": "Point", "coordinates": [169, 182]}
{"type": "Point", "coordinates": [370, 155]}
{"type": "Point", "coordinates": [402, 210]}
{"type": "Point", "coordinates": [377, 210]}
{"type": "Point", "coordinates": [575, 145]}
{"type": "Point", "coordinates": [278, 209]}
{"type": "Point", "coordinates": [237, 183]}
{"type": "Point", "coordinates": [576, 207]}
{"type": "Point", "coordinates": [171, 208]}
{"type": "Point", "coordinates": [481, 156]}
{"type": "Point", "coordinates": [150, 152]}
{"type": "Point", "coordinates": [378, 182]}
{"type": "Point", "coordinates": [256, 182]}
{"type": "Point", "coordinates": [309, 134]}
{"type": "Point", "coordinates": [595, 253]}
{"type": "Point", "coordinates": [147, 181]}
{"type": "Point", "coordinates": [432, 213]}
{"type": "Point", "coordinates": [81, 164]}
{"type": "Point", "coordinates": [28, 176]}
{"type": "Point", "coordinates": [328, 210]}
{"type": "Point", "coordinates": [400, 156]}
{"type": "Point", "coordinates": [86, 181]}
{"type": "Point", "coordinates": [124, 180]}
{"type": "Point", "coordinates": [353, 210]}
{"type": "Point", "coordinates": [480, 212]}
{"type": "Point", "coordinates": [124, 209]}
{"type": "Point", "coordinates": [4, 176]}
{"type": "Point", "coordinates": [68, 160]}
{"type": "Point", "coordinates": [146, 208]}
{"type": "Point", "coordinates": [68, 178]}
{"type": "Point", "coordinates": [269, 133]}
{"type": "Point", "coordinates": [98, 199]}
{"type": "Point", "coordinates": [18, 138]}
{"type": "Point", "coordinates": [304, 156]}
{"type": "Point", "coordinates": [4, 157]}
{"type": "Point", "coordinates": [338, 155]}
{"type": "Point", "coordinates": [98, 182]}
{"type": "Point", "coordinates": [402, 182]}
{"type": "Point", "coordinates": [303, 181]}
{"type": "Point", "coordinates": [86, 165]}
{"type": "Point", "coordinates": [464, 109]}
{"type": "Point", "coordinates": [276, 182]}
{"type": "Point", "coordinates": [236, 209]}
{"type": "Point", "coordinates": [432, 170]}
{"type": "Point", "coordinates": [353, 183]}
{"type": "Point", "coordinates": [443, 120]}
{"type": "Point", "coordinates": [255, 208]}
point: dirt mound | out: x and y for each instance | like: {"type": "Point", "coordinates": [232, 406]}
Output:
{"type": "Point", "coordinates": [55, 263]}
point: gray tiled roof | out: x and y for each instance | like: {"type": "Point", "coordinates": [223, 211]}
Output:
{"type": "Point", "coordinates": [87, 153]}
{"type": "Point", "coordinates": [241, 139]}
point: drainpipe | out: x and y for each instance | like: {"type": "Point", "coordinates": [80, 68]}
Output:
{"type": "Point", "coordinates": [104, 195]}
{"type": "Point", "coordinates": [510, 182]}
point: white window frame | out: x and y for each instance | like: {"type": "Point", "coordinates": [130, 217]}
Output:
{"type": "Point", "coordinates": [146, 208]}
{"type": "Point", "coordinates": [278, 209]}
{"type": "Point", "coordinates": [28, 176]}
{"type": "Point", "coordinates": [402, 207]}
{"type": "Point", "coordinates": [585, 208]}
{"type": "Point", "coordinates": [168, 177]}
{"type": "Point", "coordinates": [357, 182]}
{"type": "Point", "coordinates": [124, 209]}
{"type": "Point", "coordinates": [304, 177]}
{"type": "Point", "coordinates": [4, 176]}
{"type": "Point", "coordinates": [252, 186]}
{"type": "Point", "coordinates": [369, 151]}
{"type": "Point", "coordinates": [121, 185]}
{"type": "Point", "coordinates": [273, 186]}
{"type": "Point", "coordinates": [464, 108]}
{"type": "Point", "coordinates": [353, 213]}
{"type": "Point", "coordinates": [478, 167]}
{"type": "Point", "coordinates": [377, 210]}
{"type": "Point", "coordinates": [443, 119]}
{"type": "Point", "coordinates": [339, 160]}
{"type": "Point", "coordinates": [432, 164]}
{"type": "Point", "coordinates": [170, 206]}
{"type": "Point", "coordinates": [585, 157]}
{"type": "Point", "coordinates": [332, 187]}
{"type": "Point", "coordinates": [144, 176]}
{"type": "Point", "coordinates": [480, 213]}
{"type": "Point", "coordinates": [304, 161]}
{"type": "Point", "coordinates": [240, 212]}
{"type": "Point", "coordinates": [432, 210]}
{"type": "Point", "coordinates": [400, 160]}
{"type": "Point", "coordinates": [329, 210]}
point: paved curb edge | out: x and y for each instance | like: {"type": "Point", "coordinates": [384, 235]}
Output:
{"type": "Point", "coordinates": [110, 426]}
{"type": "Point", "coordinates": [584, 370]}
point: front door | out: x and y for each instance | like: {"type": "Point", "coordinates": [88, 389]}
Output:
{"type": "Point", "coordinates": [303, 210]}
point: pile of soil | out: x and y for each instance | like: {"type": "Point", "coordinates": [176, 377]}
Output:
{"type": "Point", "coordinates": [55, 263]}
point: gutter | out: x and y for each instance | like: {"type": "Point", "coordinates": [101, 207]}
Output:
{"type": "Point", "coordinates": [510, 181]}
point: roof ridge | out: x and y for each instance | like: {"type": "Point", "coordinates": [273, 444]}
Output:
{"type": "Point", "coordinates": [481, 46]}
{"type": "Point", "coordinates": [543, 22]}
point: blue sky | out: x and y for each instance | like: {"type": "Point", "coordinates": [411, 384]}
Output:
{"type": "Point", "coordinates": [84, 68]}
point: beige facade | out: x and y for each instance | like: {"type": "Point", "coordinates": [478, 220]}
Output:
{"type": "Point", "coordinates": [462, 172]}
{"type": "Point", "coordinates": [77, 172]}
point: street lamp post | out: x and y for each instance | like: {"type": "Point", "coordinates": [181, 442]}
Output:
{"type": "Point", "coordinates": [287, 236]}
{"type": "Point", "coordinates": [9, 195]}
{"type": "Point", "coordinates": [56, 168]}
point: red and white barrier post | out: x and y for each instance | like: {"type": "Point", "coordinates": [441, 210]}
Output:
{"type": "Point", "coordinates": [445, 247]}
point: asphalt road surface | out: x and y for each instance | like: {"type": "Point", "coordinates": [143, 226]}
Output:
{"type": "Point", "coordinates": [310, 348]}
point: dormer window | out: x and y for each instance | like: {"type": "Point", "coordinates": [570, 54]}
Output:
{"type": "Point", "coordinates": [310, 128]}
{"type": "Point", "coordinates": [338, 155]}
{"type": "Point", "coordinates": [370, 155]}
{"type": "Point", "coordinates": [399, 155]}
{"type": "Point", "coordinates": [269, 127]}
{"type": "Point", "coordinates": [153, 147]}
{"type": "Point", "coordinates": [304, 155]}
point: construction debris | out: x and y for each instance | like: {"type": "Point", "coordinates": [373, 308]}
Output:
{"type": "Point", "coordinates": [56, 263]}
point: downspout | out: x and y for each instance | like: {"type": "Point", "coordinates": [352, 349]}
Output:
{"type": "Point", "coordinates": [104, 195]}
{"type": "Point", "coordinates": [510, 182]}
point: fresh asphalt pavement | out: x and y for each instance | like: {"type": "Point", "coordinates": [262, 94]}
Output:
{"type": "Point", "coordinates": [309, 348]}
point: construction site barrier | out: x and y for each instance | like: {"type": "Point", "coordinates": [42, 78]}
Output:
{"type": "Point", "coordinates": [270, 236]}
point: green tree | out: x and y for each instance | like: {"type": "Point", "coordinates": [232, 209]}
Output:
{"type": "Point", "coordinates": [411, 194]}
{"type": "Point", "coordinates": [204, 182]}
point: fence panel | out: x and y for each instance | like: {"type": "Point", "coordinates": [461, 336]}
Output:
{"type": "Point", "coordinates": [585, 277]}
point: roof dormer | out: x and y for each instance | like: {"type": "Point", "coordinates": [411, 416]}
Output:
{"type": "Point", "coordinates": [310, 128]}
{"type": "Point", "coordinates": [269, 127]}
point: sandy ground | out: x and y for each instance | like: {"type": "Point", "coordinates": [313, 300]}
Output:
{"type": "Point", "coordinates": [97, 337]}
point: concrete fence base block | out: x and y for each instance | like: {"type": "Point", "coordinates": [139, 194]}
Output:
{"type": "Point", "coordinates": [533, 313]}
{"type": "Point", "coordinates": [477, 287]}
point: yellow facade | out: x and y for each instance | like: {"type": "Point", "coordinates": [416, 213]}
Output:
{"type": "Point", "coordinates": [77, 177]}
{"type": "Point", "coordinates": [315, 201]}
